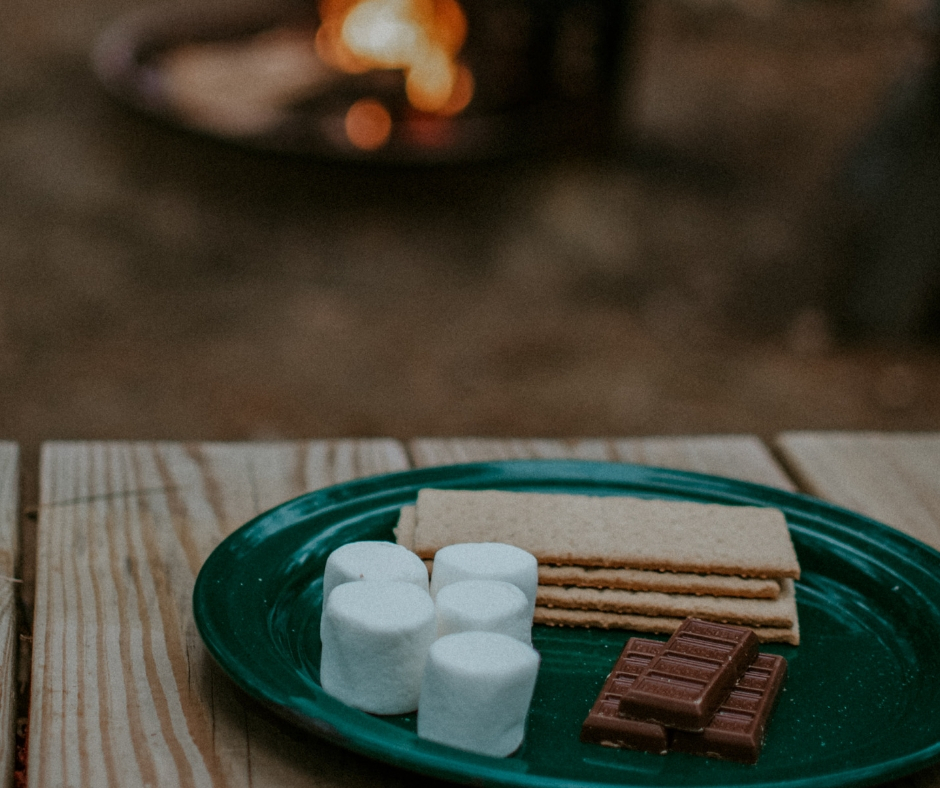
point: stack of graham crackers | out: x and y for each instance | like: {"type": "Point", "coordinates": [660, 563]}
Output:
{"type": "Point", "coordinates": [627, 563]}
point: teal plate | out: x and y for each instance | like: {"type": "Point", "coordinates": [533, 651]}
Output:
{"type": "Point", "coordinates": [859, 705]}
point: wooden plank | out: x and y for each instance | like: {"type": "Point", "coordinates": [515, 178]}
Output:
{"type": "Point", "coordinates": [738, 456]}
{"type": "Point", "coordinates": [892, 477]}
{"type": "Point", "coordinates": [743, 457]}
{"type": "Point", "coordinates": [9, 589]}
{"type": "Point", "coordinates": [426, 452]}
{"type": "Point", "coordinates": [123, 692]}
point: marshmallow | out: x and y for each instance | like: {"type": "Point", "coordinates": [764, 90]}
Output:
{"type": "Point", "coordinates": [376, 635]}
{"type": "Point", "coordinates": [373, 561]}
{"type": "Point", "coordinates": [483, 605]}
{"type": "Point", "coordinates": [486, 561]}
{"type": "Point", "coordinates": [476, 692]}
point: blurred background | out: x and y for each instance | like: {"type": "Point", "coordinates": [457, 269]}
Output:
{"type": "Point", "coordinates": [736, 229]}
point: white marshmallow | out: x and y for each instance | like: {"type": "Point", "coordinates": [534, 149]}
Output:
{"type": "Point", "coordinates": [476, 692]}
{"type": "Point", "coordinates": [486, 561]}
{"type": "Point", "coordinates": [376, 635]}
{"type": "Point", "coordinates": [485, 606]}
{"type": "Point", "coordinates": [373, 561]}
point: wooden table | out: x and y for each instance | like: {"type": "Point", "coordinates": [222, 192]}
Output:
{"type": "Point", "coordinates": [123, 692]}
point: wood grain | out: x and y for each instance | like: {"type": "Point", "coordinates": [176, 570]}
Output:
{"type": "Point", "coordinates": [123, 691]}
{"type": "Point", "coordinates": [892, 477]}
{"type": "Point", "coordinates": [738, 456]}
{"type": "Point", "coordinates": [444, 451]}
{"type": "Point", "coordinates": [9, 589]}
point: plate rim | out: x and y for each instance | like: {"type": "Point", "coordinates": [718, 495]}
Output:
{"type": "Point", "coordinates": [655, 479]}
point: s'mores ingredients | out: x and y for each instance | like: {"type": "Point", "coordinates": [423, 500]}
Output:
{"type": "Point", "coordinates": [616, 531]}
{"type": "Point", "coordinates": [476, 692]}
{"type": "Point", "coordinates": [375, 636]}
{"type": "Point", "coordinates": [486, 561]}
{"type": "Point", "coordinates": [736, 732]}
{"type": "Point", "coordinates": [779, 612]}
{"type": "Point", "coordinates": [683, 686]}
{"type": "Point", "coordinates": [562, 617]}
{"type": "Point", "coordinates": [664, 582]}
{"type": "Point", "coordinates": [373, 561]}
{"type": "Point", "coordinates": [485, 606]}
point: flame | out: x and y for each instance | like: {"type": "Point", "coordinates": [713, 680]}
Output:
{"type": "Point", "coordinates": [419, 37]}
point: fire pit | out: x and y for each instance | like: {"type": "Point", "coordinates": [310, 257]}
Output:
{"type": "Point", "coordinates": [377, 80]}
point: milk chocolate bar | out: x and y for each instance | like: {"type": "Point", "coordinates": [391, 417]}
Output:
{"type": "Point", "coordinates": [683, 686]}
{"type": "Point", "coordinates": [604, 725]}
{"type": "Point", "coordinates": [736, 732]}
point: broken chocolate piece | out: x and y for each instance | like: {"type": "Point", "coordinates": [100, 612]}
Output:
{"type": "Point", "coordinates": [604, 725]}
{"type": "Point", "coordinates": [685, 684]}
{"type": "Point", "coordinates": [737, 730]}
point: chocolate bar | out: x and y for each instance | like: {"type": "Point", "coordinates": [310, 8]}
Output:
{"type": "Point", "coordinates": [736, 732]}
{"type": "Point", "coordinates": [685, 684]}
{"type": "Point", "coordinates": [604, 725]}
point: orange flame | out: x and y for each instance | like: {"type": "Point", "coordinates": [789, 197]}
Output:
{"type": "Point", "coordinates": [420, 37]}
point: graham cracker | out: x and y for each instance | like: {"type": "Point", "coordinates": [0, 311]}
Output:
{"type": "Point", "coordinates": [618, 531]}
{"type": "Point", "coordinates": [554, 616]}
{"type": "Point", "coordinates": [779, 612]}
{"type": "Point", "coordinates": [667, 582]}
{"type": "Point", "coordinates": [629, 579]}
{"type": "Point", "coordinates": [405, 530]}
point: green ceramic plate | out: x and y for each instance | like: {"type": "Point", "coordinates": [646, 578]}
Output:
{"type": "Point", "coordinates": [861, 698]}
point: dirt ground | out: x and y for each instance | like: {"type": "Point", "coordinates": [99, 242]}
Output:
{"type": "Point", "coordinates": [154, 284]}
